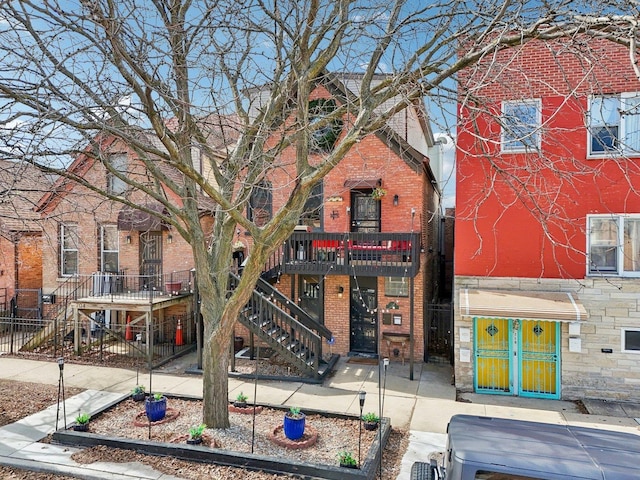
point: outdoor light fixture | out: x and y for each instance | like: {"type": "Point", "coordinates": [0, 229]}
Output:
{"type": "Point", "coordinates": [128, 239]}
{"type": "Point", "coordinates": [361, 396]}
{"type": "Point", "coordinates": [170, 238]}
{"type": "Point", "coordinates": [61, 395]}
{"type": "Point", "coordinates": [396, 200]}
{"type": "Point", "coordinates": [340, 291]}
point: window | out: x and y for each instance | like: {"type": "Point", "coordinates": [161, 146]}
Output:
{"type": "Point", "coordinates": [614, 245]}
{"type": "Point", "coordinates": [115, 185]}
{"type": "Point", "coordinates": [109, 248]}
{"type": "Point", "coordinates": [614, 124]}
{"type": "Point", "coordinates": [261, 204]}
{"type": "Point", "coordinates": [396, 287]}
{"type": "Point", "coordinates": [631, 340]}
{"type": "Point", "coordinates": [323, 137]}
{"type": "Point", "coordinates": [312, 214]}
{"type": "Point", "coordinates": [68, 250]}
{"type": "Point", "coordinates": [521, 126]}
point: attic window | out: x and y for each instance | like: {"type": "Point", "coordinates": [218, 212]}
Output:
{"type": "Point", "coordinates": [323, 138]}
{"type": "Point", "coordinates": [115, 185]}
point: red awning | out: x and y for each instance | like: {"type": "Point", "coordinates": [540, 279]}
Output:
{"type": "Point", "coordinates": [362, 183]}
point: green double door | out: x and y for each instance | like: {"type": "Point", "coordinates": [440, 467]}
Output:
{"type": "Point", "coordinates": [517, 357]}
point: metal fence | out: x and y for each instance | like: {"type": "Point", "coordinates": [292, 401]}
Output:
{"type": "Point", "coordinates": [439, 333]}
{"type": "Point", "coordinates": [117, 345]}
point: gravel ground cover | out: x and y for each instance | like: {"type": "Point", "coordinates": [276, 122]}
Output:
{"type": "Point", "coordinates": [20, 399]}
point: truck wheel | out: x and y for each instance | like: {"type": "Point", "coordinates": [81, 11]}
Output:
{"type": "Point", "coordinates": [422, 471]}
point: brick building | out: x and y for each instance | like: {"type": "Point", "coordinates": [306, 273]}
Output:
{"type": "Point", "coordinates": [20, 237]}
{"type": "Point", "coordinates": [365, 260]}
{"type": "Point", "coordinates": [362, 265]}
{"type": "Point", "coordinates": [546, 256]}
{"type": "Point", "coordinates": [118, 258]}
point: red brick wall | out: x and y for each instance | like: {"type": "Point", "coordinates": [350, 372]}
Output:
{"type": "Point", "coordinates": [517, 216]}
{"type": "Point", "coordinates": [7, 270]}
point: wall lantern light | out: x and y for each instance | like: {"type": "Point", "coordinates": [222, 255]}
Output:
{"type": "Point", "coordinates": [340, 291]}
{"type": "Point", "coordinates": [170, 238]}
{"type": "Point", "coordinates": [396, 200]}
{"type": "Point", "coordinates": [128, 238]}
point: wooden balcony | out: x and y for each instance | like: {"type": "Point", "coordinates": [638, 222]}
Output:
{"type": "Point", "coordinates": [366, 254]}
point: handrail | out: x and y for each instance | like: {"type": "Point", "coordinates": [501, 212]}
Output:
{"type": "Point", "coordinates": [297, 312]}
{"type": "Point", "coordinates": [290, 337]}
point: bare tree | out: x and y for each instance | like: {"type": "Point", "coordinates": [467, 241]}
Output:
{"type": "Point", "coordinates": [76, 71]}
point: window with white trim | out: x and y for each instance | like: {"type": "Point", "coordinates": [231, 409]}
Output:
{"type": "Point", "coordinates": [109, 251]}
{"type": "Point", "coordinates": [68, 250]}
{"type": "Point", "coordinates": [614, 245]}
{"type": "Point", "coordinates": [115, 185]}
{"type": "Point", "coordinates": [614, 124]}
{"type": "Point", "coordinates": [521, 122]}
{"type": "Point", "coordinates": [631, 340]}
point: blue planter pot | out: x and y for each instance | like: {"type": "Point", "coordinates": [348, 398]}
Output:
{"type": "Point", "coordinates": [155, 409]}
{"type": "Point", "coordinates": [294, 427]}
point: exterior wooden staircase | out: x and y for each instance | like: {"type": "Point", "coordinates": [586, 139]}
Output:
{"type": "Point", "coordinates": [286, 328]}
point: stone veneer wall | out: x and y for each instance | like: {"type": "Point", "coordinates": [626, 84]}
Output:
{"type": "Point", "coordinates": [611, 303]}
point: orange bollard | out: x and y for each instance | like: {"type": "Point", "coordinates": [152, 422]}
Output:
{"type": "Point", "coordinates": [128, 333]}
{"type": "Point", "coordinates": [179, 339]}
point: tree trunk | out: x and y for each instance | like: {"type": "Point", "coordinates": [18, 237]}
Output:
{"type": "Point", "coordinates": [215, 378]}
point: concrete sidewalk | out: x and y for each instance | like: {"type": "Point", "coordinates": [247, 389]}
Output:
{"type": "Point", "coordinates": [423, 406]}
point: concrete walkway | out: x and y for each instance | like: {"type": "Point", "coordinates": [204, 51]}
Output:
{"type": "Point", "coordinates": [423, 406]}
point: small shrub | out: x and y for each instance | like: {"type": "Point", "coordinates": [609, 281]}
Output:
{"type": "Point", "coordinates": [137, 390]}
{"type": "Point", "coordinates": [197, 430]}
{"type": "Point", "coordinates": [83, 418]}
{"type": "Point", "coordinates": [370, 417]}
{"type": "Point", "coordinates": [294, 412]}
{"type": "Point", "coordinates": [157, 397]}
{"type": "Point", "coordinates": [345, 458]}
{"type": "Point", "coordinates": [241, 398]}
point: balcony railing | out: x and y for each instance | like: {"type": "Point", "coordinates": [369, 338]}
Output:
{"type": "Point", "coordinates": [373, 254]}
{"type": "Point", "coordinates": [115, 286]}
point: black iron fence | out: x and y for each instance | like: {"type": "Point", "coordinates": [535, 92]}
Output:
{"type": "Point", "coordinates": [106, 336]}
{"type": "Point", "coordinates": [118, 344]}
{"type": "Point", "coordinates": [439, 333]}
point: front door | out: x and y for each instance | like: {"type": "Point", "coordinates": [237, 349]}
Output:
{"type": "Point", "coordinates": [365, 212]}
{"type": "Point", "coordinates": [151, 259]}
{"type": "Point", "coordinates": [311, 296]}
{"type": "Point", "coordinates": [539, 355]}
{"type": "Point", "coordinates": [364, 316]}
{"type": "Point", "coordinates": [517, 357]}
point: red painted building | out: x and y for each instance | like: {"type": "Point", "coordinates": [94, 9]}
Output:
{"type": "Point", "coordinates": [547, 217]}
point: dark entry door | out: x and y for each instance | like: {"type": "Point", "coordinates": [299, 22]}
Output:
{"type": "Point", "coordinates": [365, 212]}
{"type": "Point", "coordinates": [364, 316]}
{"type": "Point", "coordinates": [151, 259]}
{"type": "Point", "coordinates": [311, 296]}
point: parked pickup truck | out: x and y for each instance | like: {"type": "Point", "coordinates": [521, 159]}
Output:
{"type": "Point", "coordinates": [486, 448]}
